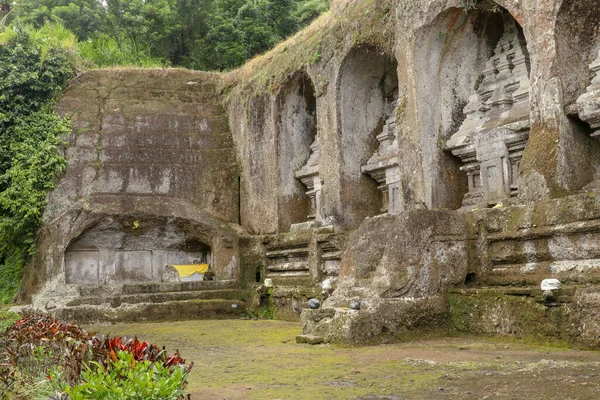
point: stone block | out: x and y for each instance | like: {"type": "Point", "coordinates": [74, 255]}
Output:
{"type": "Point", "coordinates": [134, 265]}
{"type": "Point", "coordinates": [81, 267]}
{"type": "Point", "coordinates": [309, 339]}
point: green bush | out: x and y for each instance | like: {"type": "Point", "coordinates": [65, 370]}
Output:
{"type": "Point", "coordinates": [127, 379]}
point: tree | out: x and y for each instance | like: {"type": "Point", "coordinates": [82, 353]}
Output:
{"type": "Point", "coordinates": [309, 10]}
{"type": "Point", "coordinates": [35, 66]}
{"type": "Point", "coordinates": [199, 34]}
{"type": "Point", "coordinates": [82, 17]}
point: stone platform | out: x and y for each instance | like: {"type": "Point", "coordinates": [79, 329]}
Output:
{"type": "Point", "coordinates": [154, 302]}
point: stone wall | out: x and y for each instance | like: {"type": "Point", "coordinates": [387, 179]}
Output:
{"type": "Point", "coordinates": [160, 133]}
{"type": "Point", "coordinates": [441, 51]}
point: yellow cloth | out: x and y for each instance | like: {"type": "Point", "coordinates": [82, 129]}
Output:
{"type": "Point", "coordinates": [189, 270]}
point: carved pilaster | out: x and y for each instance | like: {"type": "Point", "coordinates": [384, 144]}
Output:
{"type": "Point", "coordinates": [588, 108]}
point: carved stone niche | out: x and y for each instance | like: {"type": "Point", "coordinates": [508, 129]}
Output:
{"type": "Point", "coordinates": [310, 177]}
{"type": "Point", "coordinates": [491, 139]}
{"type": "Point", "coordinates": [588, 104]}
{"type": "Point", "coordinates": [383, 165]}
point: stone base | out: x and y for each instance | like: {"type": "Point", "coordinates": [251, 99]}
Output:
{"type": "Point", "coordinates": [572, 316]}
{"type": "Point", "coordinates": [380, 319]}
{"type": "Point", "coordinates": [150, 301]}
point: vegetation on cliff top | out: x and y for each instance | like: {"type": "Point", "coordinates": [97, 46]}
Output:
{"type": "Point", "coordinates": [352, 24]}
{"type": "Point", "coordinates": [196, 34]}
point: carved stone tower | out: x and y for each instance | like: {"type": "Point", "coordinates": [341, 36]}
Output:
{"type": "Point", "coordinates": [383, 165]}
{"type": "Point", "coordinates": [492, 138]}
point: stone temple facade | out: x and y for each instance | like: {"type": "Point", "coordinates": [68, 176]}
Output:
{"type": "Point", "coordinates": [432, 161]}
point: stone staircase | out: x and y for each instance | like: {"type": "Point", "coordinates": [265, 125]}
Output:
{"type": "Point", "coordinates": [289, 266]}
{"type": "Point", "coordinates": [156, 301]}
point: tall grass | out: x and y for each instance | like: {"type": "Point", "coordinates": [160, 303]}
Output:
{"type": "Point", "coordinates": [106, 51]}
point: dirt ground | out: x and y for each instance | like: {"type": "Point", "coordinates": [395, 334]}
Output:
{"type": "Point", "coordinates": [238, 359]}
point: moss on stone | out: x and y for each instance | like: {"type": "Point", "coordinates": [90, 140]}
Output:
{"type": "Point", "coordinates": [492, 312]}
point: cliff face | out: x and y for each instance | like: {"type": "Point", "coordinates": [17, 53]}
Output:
{"type": "Point", "coordinates": [159, 133]}
{"type": "Point", "coordinates": [152, 180]}
{"type": "Point", "coordinates": [428, 105]}
{"type": "Point", "coordinates": [433, 57]}
{"type": "Point", "coordinates": [399, 149]}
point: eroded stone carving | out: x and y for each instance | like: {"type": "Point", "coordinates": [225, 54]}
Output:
{"type": "Point", "coordinates": [492, 138]}
{"type": "Point", "coordinates": [383, 165]}
{"type": "Point", "coordinates": [588, 108]}
{"type": "Point", "coordinates": [588, 104]}
{"type": "Point", "coordinates": [309, 175]}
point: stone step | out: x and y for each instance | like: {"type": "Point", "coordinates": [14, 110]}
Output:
{"type": "Point", "coordinates": [154, 287]}
{"type": "Point", "coordinates": [295, 280]}
{"type": "Point", "coordinates": [309, 339]}
{"type": "Point", "coordinates": [563, 295]}
{"type": "Point", "coordinates": [176, 286]}
{"type": "Point", "coordinates": [289, 266]}
{"type": "Point", "coordinates": [159, 297]}
{"type": "Point", "coordinates": [148, 312]}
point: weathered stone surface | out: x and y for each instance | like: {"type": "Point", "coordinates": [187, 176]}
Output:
{"type": "Point", "coordinates": [309, 339]}
{"type": "Point", "coordinates": [151, 181]}
{"type": "Point", "coordinates": [443, 104]}
{"type": "Point", "coordinates": [383, 165]}
{"type": "Point", "coordinates": [570, 316]}
{"type": "Point", "coordinates": [492, 137]}
{"type": "Point", "coordinates": [395, 265]}
{"type": "Point", "coordinates": [383, 318]}
{"type": "Point", "coordinates": [141, 312]}
{"type": "Point", "coordinates": [410, 255]}
{"type": "Point", "coordinates": [551, 239]}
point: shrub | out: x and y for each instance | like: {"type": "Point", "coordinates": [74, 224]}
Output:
{"type": "Point", "coordinates": [38, 347]}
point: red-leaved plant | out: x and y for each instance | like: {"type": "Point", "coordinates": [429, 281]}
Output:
{"type": "Point", "coordinates": [38, 343]}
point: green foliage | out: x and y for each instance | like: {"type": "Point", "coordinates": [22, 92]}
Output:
{"type": "Point", "coordinates": [309, 10]}
{"type": "Point", "coordinates": [35, 66]}
{"type": "Point", "coordinates": [199, 34]}
{"type": "Point", "coordinates": [107, 51]}
{"type": "Point", "coordinates": [7, 318]}
{"type": "Point", "coordinates": [126, 379]}
{"type": "Point", "coordinates": [83, 17]}
{"type": "Point", "coordinates": [43, 355]}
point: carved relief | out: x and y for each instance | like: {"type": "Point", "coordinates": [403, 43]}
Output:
{"type": "Point", "coordinates": [309, 175]}
{"type": "Point", "coordinates": [383, 165]}
{"type": "Point", "coordinates": [491, 139]}
{"type": "Point", "coordinates": [588, 104]}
